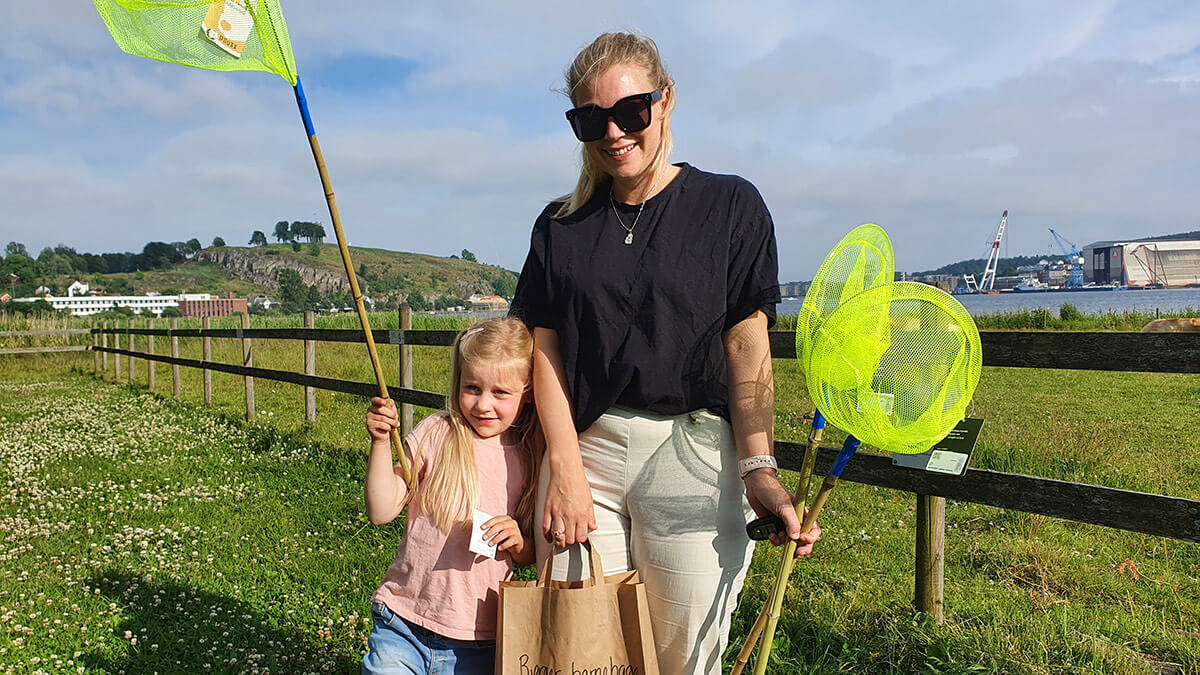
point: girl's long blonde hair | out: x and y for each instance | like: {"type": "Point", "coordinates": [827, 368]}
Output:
{"type": "Point", "coordinates": [604, 52]}
{"type": "Point", "coordinates": [450, 490]}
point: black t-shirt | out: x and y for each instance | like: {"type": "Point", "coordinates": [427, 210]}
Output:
{"type": "Point", "coordinates": [641, 325]}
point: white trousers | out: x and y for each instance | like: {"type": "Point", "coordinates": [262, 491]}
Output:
{"type": "Point", "coordinates": [670, 504]}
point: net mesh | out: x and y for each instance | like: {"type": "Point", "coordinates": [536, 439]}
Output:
{"type": "Point", "coordinates": [220, 35]}
{"type": "Point", "coordinates": [861, 260]}
{"type": "Point", "coordinates": [896, 366]}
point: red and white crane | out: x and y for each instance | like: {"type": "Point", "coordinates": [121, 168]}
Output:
{"type": "Point", "coordinates": [993, 263]}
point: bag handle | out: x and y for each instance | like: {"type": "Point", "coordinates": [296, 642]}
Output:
{"type": "Point", "coordinates": [597, 569]}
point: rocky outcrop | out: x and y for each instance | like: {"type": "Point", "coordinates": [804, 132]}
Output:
{"type": "Point", "coordinates": [256, 267]}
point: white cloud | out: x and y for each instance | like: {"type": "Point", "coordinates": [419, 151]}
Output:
{"type": "Point", "coordinates": [927, 118]}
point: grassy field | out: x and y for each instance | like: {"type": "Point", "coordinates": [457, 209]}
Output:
{"type": "Point", "coordinates": [145, 534]}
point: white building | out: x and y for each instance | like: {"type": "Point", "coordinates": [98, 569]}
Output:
{"type": "Point", "coordinates": [1143, 263]}
{"type": "Point", "coordinates": [141, 304]}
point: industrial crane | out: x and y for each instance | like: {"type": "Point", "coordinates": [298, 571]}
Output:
{"type": "Point", "coordinates": [1074, 259]}
{"type": "Point", "coordinates": [993, 263]}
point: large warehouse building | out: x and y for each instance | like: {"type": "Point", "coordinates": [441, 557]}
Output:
{"type": "Point", "coordinates": [1143, 263]}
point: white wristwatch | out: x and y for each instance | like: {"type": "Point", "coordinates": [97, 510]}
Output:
{"type": "Point", "coordinates": [749, 464]}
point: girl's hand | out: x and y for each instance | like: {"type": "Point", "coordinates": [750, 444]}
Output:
{"type": "Point", "coordinates": [505, 534]}
{"type": "Point", "coordinates": [381, 418]}
{"type": "Point", "coordinates": [568, 514]}
{"type": "Point", "coordinates": [768, 496]}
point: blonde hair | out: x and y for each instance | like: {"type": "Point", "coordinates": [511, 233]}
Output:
{"type": "Point", "coordinates": [450, 490]}
{"type": "Point", "coordinates": [604, 52]}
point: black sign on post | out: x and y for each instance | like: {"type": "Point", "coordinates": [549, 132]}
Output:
{"type": "Point", "coordinates": [949, 455]}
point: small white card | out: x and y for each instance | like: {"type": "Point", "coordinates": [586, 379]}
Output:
{"type": "Point", "coordinates": [944, 461]}
{"type": "Point", "coordinates": [478, 543]}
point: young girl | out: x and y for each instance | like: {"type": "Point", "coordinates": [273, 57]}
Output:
{"type": "Point", "coordinates": [474, 466]}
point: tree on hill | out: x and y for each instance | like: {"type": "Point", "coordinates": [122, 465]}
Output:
{"type": "Point", "coordinates": [16, 248]}
{"type": "Point", "coordinates": [467, 255]}
{"type": "Point", "coordinates": [300, 229]}
{"type": "Point", "coordinates": [293, 294]}
{"type": "Point", "coordinates": [258, 238]}
{"type": "Point", "coordinates": [303, 229]}
{"type": "Point", "coordinates": [282, 234]}
{"type": "Point", "coordinates": [1006, 267]}
{"type": "Point", "coordinates": [416, 302]}
{"type": "Point", "coordinates": [157, 254]}
{"type": "Point", "coordinates": [193, 246]}
{"type": "Point", "coordinates": [218, 242]}
{"type": "Point", "coordinates": [314, 302]}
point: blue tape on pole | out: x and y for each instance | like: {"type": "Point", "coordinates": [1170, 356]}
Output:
{"type": "Point", "coordinates": [818, 420]}
{"type": "Point", "coordinates": [303, 103]}
{"type": "Point", "coordinates": [848, 449]}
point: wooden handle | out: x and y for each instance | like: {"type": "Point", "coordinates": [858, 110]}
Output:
{"type": "Point", "coordinates": [397, 445]}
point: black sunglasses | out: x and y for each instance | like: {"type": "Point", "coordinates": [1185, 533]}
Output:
{"type": "Point", "coordinates": [632, 114]}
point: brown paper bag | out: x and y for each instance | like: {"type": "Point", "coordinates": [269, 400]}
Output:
{"type": "Point", "coordinates": [594, 626]}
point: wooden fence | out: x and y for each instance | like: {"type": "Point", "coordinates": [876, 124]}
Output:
{"type": "Point", "coordinates": [43, 333]}
{"type": "Point", "coordinates": [1153, 514]}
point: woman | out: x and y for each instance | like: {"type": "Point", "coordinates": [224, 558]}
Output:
{"type": "Point", "coordinates": [650, 290]}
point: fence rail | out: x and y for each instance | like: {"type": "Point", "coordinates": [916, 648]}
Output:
{"type": "Point", "coordinates": [44, 333]}
{"type": "Point", "coordinates": [44, 350]}
{"type": "Point", "coordinates": [1158, 515]}
{"type": "Point", "coordinates": [1126, 352]}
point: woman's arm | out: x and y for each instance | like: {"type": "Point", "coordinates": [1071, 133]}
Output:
{"type": "Point", "coordinates": [384, 487]}
{"type": "Point", "coordinates": [568, 504]}
{"type": "Point", "coordinates": [752, 414]}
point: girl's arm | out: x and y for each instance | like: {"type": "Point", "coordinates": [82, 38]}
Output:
{"type": "Point", "coordinates": [568, 504]}
{"type": "Point", "coordinates": [752, 414]}
{"type": "Point", "coordinates": [384, 488]}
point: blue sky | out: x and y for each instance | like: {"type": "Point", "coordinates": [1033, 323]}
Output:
{"type": "Point", "coordinates": [442, 127]}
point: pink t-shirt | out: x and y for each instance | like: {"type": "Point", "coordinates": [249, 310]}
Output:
{"type": "Point", "coordinates": [435, 581]}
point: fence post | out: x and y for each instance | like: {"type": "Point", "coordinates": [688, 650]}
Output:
{"type": "Point", "coordinates": [175, 388]}
{"type": "Point", "coordinates": [129, 336]}
{"type": "Point", "coordinates": [310, 368]}
{"type": "Point", "coordinates": [248, 360]}
{"type": "Point", "coordinates": [206, 355]}
{"type": "Point", "coordinates": [95, 354]}
{"type": "Point", "coordinates": [931, 556]}
{"type": "Point", "coordinates": [150, 362]}
{"type": "Point", "coordinates": [406, 375]}
{"type": "Point", "coordinates": [116, 357]}
{"type": "Point", "coordinates": [104, 343]}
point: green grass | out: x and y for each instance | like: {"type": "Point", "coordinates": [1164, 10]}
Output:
{"type": "Point", "coordinates": [109, 489]}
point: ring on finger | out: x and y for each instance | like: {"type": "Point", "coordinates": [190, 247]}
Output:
{"type": "Point", "coordinates": [558, 533]}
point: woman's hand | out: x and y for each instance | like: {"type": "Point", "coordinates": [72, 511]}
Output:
{"type": "Point", "coordinates": [568, 514]}
{"type": "Point", "coordinates": [768, 496]}
{"type": "Point", "coordinates": [382, 418]}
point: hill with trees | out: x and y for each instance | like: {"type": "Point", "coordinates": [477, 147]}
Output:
{"type": "Point", "coordinates": [1007, 267]}
{"type": "Point", "coordinates": [387, 277]}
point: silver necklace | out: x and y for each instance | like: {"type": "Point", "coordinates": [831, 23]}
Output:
{"type": "Point", "coordinates": [629, 228]}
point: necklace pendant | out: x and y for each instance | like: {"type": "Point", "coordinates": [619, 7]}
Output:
{"type": "Point", "coordinates": [628, 238]}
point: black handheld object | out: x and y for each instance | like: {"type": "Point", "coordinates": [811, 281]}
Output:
{"type": "Point", "coordinates": [760, 529]}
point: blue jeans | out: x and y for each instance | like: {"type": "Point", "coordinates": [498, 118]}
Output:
{"type": "Point", "coordinates": [397, 647]}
